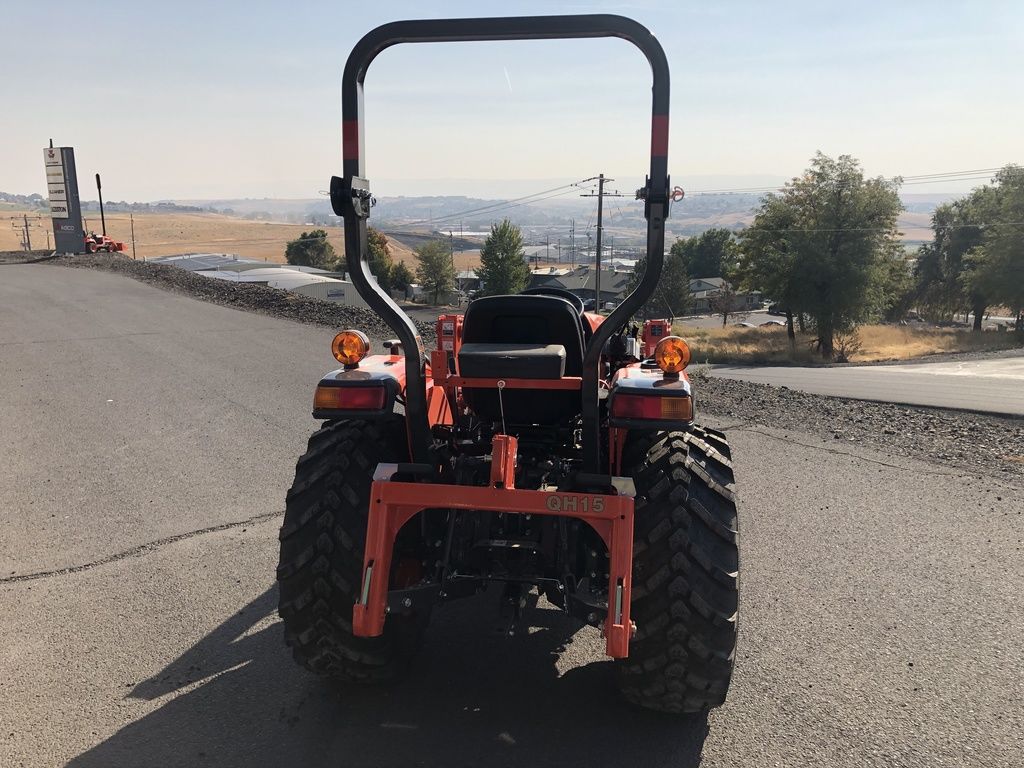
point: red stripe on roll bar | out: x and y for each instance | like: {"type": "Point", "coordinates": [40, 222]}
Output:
{"type": "Point", "coordinates": [659, 135]}
{"type": "Point", "coordinates": [350, 139]}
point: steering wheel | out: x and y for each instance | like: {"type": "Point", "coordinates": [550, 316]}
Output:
{"type": "Point", "coordinates": [561, 293]}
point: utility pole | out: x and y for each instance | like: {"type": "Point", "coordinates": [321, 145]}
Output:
{"type": "Point", "coordinates": [572, 242]}
{"type": "Point", "coordinates": [131, 218]}
{"type": "Point", "coordinates": [601, 195]}
{"type": "Point", "coordinates": [28, 237]}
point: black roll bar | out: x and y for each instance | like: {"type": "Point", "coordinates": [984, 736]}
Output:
{"type": "Point", "coordinates": [351, 199]}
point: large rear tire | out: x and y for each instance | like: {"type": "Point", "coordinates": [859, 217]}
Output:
{"type": "Point", "coordinates": [685, 571]}
{"type": "Point", "coordinates": [322, 542]}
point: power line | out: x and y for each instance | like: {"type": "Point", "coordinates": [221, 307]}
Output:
{"type": "Point", "coordinates": [886, 229]}
{"type": "Point", "coordinates": [503, 204]}
{"type": "Point", "coordinates": [923, 178]}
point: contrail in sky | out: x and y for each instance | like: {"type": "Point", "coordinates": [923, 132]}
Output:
{"type": "Point", "coordinates": [508, 79]}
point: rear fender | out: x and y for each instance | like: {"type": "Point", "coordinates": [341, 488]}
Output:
{"type": "Point", "coordinates": [385, 371]}
{"type": "Point", "coordinates": [646, 382]}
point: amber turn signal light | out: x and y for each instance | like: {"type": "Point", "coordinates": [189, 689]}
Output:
{"type": "Point", "coordinates": [349, 347]}
{"type": "Point", "coordinates": [672, 354]}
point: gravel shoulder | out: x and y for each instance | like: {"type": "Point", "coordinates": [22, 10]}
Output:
{"type": "Point", "coordinates": [989, 445]}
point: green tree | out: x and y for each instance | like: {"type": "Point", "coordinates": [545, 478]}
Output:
{"type": "Point", "coordinates": [892, 285]}
{"type": "Point", "coordinates": [671, 296]}
{"type": "Point", "coordinates": [998, 271]}
{"type": "Point", "coordinates": [434, 268]}
{"type": "Point", "coordinates": [767, 260]}
{"type": "Point", "coordinates": [704, 255]}
{"type": "Point", "coordinates": [944, 285]}
{"type": "Point", "coordinates": [311, 249]}
{"type": "Point", "coordinates": [840, 225]}
{"type": "Point", "coordinates": [381, 263]}
{"type": "Point", "coordinates": [503, 267]}
{"type": "Point", "coordinates": [401, 277]}
{"type": "Point", "coordinates": [976, 258]}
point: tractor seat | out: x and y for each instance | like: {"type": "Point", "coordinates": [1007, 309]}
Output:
{"type": "Point", "coordinates": [522, 337]}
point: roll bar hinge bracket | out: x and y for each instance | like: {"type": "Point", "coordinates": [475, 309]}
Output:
{"type": "Point", "coordinates": [354, 200]}
{"type": "Point", "coordinates": [649, 195]}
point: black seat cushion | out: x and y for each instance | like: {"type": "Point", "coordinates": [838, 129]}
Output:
{"type": "Point", "coordinates": [531, 321]}
{"type": "Point", "coordinates": [523, 361]}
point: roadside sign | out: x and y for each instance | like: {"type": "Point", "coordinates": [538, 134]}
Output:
{"type": "Point", "coordinates": [62, 191]}
{"type": "Point", "coordinates": [56, 182]}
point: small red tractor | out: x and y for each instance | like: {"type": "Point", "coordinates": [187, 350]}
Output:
{"type": "Point", "coordinates": [94, 243]}
{"type": "Point", "coordinates": [541, 448]}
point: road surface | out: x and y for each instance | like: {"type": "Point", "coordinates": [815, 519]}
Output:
{"type": "Point", "coordinates": [993, 385]}
{"type": "Point", "coordinates": [148, 441]}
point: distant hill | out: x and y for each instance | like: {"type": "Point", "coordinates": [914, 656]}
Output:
{"type": "Point", "coordinates": [412, 219]}
{"type": "Point", "coordinates": [444, 213]}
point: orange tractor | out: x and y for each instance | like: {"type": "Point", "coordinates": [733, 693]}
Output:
{"type": "Point", "coordinates": [94, 243]}
{"type": "Point", "coordinates": [538, 447]}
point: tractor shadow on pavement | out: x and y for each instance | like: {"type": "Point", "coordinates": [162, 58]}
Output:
{"type": "Point", "coordinates": [474, 698]}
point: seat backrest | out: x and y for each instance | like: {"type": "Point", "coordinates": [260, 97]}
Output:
{"type": "Point", "coordinates": [526, 320]}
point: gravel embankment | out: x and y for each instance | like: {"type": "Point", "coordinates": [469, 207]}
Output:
{"type": "Point", "coordinates": [988, 445]}
{"type": "Point", "coordinates": [23, 257]}
{"type": "Point", "coordinates": [247, 296]}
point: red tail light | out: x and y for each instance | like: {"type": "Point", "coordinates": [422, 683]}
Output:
{"type": "Point", "coordinates": [652, 407]}
{"type": "Point", "coordinates": [348, 398]}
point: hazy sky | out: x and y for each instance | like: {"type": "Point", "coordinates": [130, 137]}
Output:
{"type": "Point", "coordinates": [208, 99]}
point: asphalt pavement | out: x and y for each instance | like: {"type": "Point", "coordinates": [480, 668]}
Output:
{"type": "Point", "coordinates": [992, 385]}
{"type": "Point", "coordinates": [149, 439]}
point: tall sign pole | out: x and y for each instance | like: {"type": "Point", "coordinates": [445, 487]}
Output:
{"type": "Point", "coordinates": [65, 206]}
{"type": "Point", "coordinates": [99, 191]}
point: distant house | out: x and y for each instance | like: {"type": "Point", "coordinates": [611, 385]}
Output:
{"type": "Point", "coordinates": [582, 281]}
{"type": "Point", "coordinates": [544, 275]}
{"type": "Point", "coordinates": [467, 280]}
{"type": "Point", "coordinates": [621, 265]}
{"type": "Point", "coordinates": [706, 284]}
{"type": "Point", "coordinates": [705, 290]}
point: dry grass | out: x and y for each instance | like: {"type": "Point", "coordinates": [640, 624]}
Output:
{"type": "Point", "coordinates": [165, 234]}
{"type": "Point", "coordinates": [880, 342]}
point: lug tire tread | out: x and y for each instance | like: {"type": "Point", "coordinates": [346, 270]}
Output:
{"type": "Point", "coordinates": [685, 571]}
